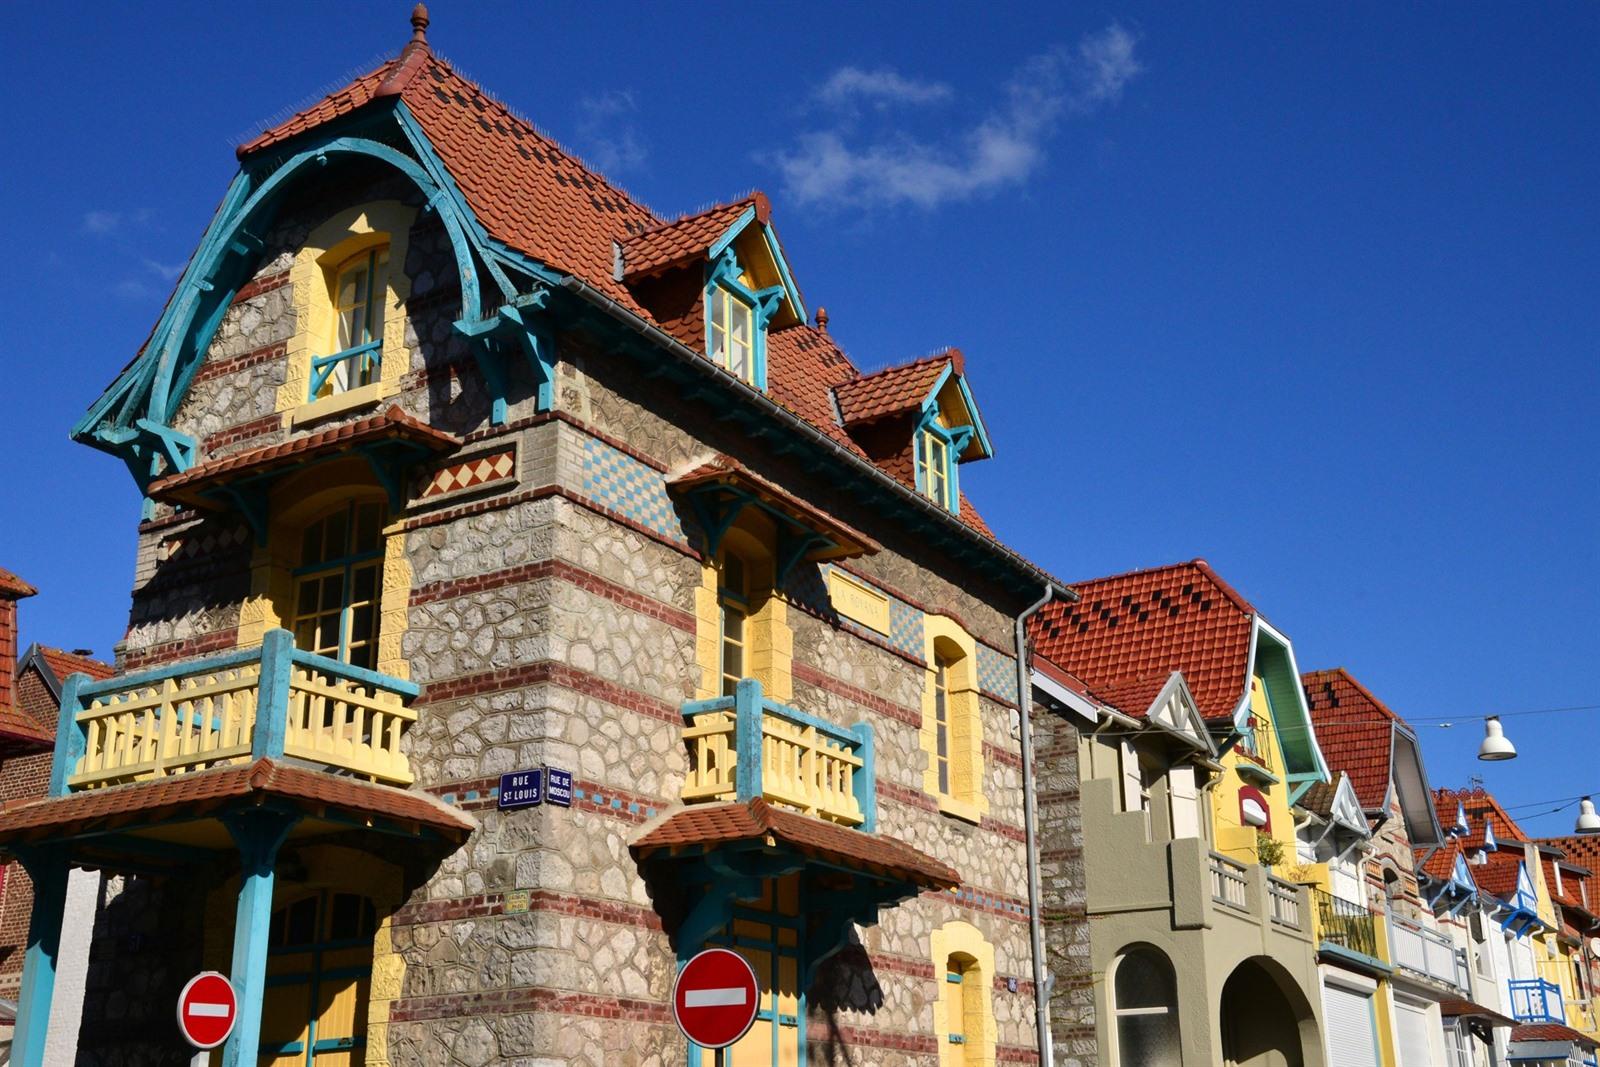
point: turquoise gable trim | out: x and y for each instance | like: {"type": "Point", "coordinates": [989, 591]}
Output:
{"type": "Point", "coordinates": [763, 304]}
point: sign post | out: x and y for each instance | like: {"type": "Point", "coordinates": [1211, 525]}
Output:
{"type": "Point", "coordinates": [715, 999]}
{"type": "Point", "coordinates": [207, 1009]}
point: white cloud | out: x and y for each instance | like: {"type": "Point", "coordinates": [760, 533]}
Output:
{"type": "Point", "coordinates": [850, 84]}
{"type": "Point", "coordinates": [100, 223]}
{"type": "Point", "coordinates": [611, 138]}
{"type": "Point", "coordinates": [888, 166]}
{"type": "Point", "coordinates": [165, 271]}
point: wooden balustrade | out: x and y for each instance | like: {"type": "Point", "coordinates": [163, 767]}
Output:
{"type": "Point", "coordinates": [746, 746]}
{"type": "Point", "coordinates": [269, 701]}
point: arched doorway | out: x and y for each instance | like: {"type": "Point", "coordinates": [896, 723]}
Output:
{"type": "Point", "coordinates": [1266, 1020]}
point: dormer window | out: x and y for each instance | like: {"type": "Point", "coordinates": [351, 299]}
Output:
{"type": "Point", "coordinates": [732, 335]}
{"type": "Point", "coordinates": [938, 449]}
{"type": "Point", "coordinates": [359, 285]}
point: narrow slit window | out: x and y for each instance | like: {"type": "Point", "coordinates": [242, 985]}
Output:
{"type": "Point", "coordinates": [357, 345]}
{"type": "Point", "coordinates": [732, 340]}
{"type": "Point", "coordinates": [733, 596]}
{"type": "Point", "coordinates": [941, 722]}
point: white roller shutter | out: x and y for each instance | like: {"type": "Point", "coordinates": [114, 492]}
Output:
{"type": "Point", "coordinates": [1352, 1036]}
{"type": "Point", "coordinates": [1414, 1037]}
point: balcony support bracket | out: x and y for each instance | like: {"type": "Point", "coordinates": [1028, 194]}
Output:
{"type": "Point", "coordinates": [258, 833]}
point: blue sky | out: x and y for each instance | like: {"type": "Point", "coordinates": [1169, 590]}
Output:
{"type": "Point", "coordinates": [1312, 297]}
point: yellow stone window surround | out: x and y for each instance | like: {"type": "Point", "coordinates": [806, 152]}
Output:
{"type": "Point", "coordinates": [330, 247]}
{"type": "Point", "coordinates": [960, 944]}
{"type": "Point", "coordinates": [768, 643]}
{"type": "Point", "coordinates": [946, 645]}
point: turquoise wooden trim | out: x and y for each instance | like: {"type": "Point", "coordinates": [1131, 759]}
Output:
{"type": "Point", "coordinates": [866, 779]}
{"type": "Point", "coordinates": [351, 673]}
{"type": "Point", "coordinates": [721, 243]}
{"type": "Point", "coordinates": [258, 833]}
{"type": "Point", "coordinates": [793, 291]}
{"type": "Point", "coordinates": [322, 367]}
{"type": "Point", "coordinates": [723, 272]}
{"type": "Point", "coordinates": [272, 699]}
{"type": "Point", "coordinates": [71, 741]}
{"type": "Point", "coordinates": [47, 868]}
{"type": "Point", "coordinates": [978, 428]}
{"type": "Point", "coordinates": [748, 709]}
{"type": "Point", "coordinates": [952, 447]}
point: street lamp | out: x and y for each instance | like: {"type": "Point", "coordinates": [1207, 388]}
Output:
{"type": "Point", "coordinates": [1496, 746]}
{"type": "Point", "coordinates": [1588, 821]}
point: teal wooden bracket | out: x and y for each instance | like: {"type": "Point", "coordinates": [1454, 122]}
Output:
{"type": "Point", "coordinates": [258, 833]}
{"type": "Point", "coordinates": [47, 868]}
{"type": "Point", "coordinates": [827, 930]}
{"type": "Point", "coordinates": [519, 323]}
{"type": "Point", "coordinates": [792, 548]}
{"type": "Point", "coordinates": [252, 500]}
{"type": "Point", "coordinates": [717, 507]}
{"type": "Point", "coordinates": [712, 912]}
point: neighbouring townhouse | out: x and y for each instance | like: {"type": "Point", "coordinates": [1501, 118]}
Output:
{"type": "Point", "coordinates": [1194, 748]}
{"type": "Point", "coordinates": [530, 592]}
{"type": "Point", "coordinates": [1521, 939]}
{"type": "Point", "coordinates": [29, 697]}
{"type": "Point", "coordinates": [1397, 987]}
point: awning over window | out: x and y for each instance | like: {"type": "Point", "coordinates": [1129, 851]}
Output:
{"type": "Point", "coordinates": [720, 489]}
{"type": "Point", "coordinates": [1466, 1009]}
{"type": "Point", "coordinates": [391, 441]}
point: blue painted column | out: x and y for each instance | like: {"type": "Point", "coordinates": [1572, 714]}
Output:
{"type": "Point", "coordinates": [748, 709]}
{"type": "Point", "coordinates": [47, 869]}
{"type": "Point", "coordinates": [258, 832]}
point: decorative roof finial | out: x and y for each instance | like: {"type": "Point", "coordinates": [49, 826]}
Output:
{"type": "Point", "coordinates": [419, 24]}
{"type": "Point", "coordinates": [822, 319]}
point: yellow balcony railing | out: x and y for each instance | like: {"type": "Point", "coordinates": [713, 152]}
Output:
{"type": "Point", "coordinates": [274, 700]}
{"type": "Point", "coordinates": [745, 746]}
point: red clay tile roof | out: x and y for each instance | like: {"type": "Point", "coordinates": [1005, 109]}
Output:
{"type": "Point", "coordinates": [19, 730]}
{"type": "Point", "coordinates": [1479, 805]}
{"type": "Point", "coordinates": [1134, 626]}
{"type": "Point", "coordinates": [713, 824]}
{"type": "Point", "coordinates": [687, 238]}
{"type": "Point", "coordinates": [1552, 1032]}
{"type": "Point", "coordinates": [393, 424]}
{"type": "Point", "coordinates": [1580, 849]}
{"type": "Point", "coordinates": [63, 663]}
{"type": "Point", "coordinates": [726, 470]}
{"type": "Point", "coordinates": [1497, 876]}
{"type": "Point", "coordinates": [1355, 731]}
{"type": "Point", "coordinates": [1453, 1007]}
{"type": "Point", "coordinates": [14, 588]}
{"type": "Point", "coordinates": [1441, 863]}
{"type": "Point", "coordinates": [891, 390]}
{"type": "Point", "coordinates": [1134, 696]}
{"type": "Point", "coordinates": [191, 794]}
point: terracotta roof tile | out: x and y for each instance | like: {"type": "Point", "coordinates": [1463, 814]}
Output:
{"type": "Point", "coordinates": [14, 588]}
{"type": "Point", "coordinates": [729, 471]}
{"type": "Point", "coordinates": [63, 663]}
{"type": "Point", "coordinates": [1552, 1032]}
{"type": "Point", "coordinates": [77, 812]}
{"type": "Point", "coordinates": [1580, 849]}
{"type": "Point", "coordinates": [891, 390]}
{"type": "Point", "coordinates": [1480, 805]}
{"type": "Point", "coordinates": [1497, 874]}
{"type": "Point", "coordinates": [1355, 731]}
{"type": "Point", "coordinates": [803, 366]}
{"type": "Point", "coordinates": [391, 424]}
{"type": "Point", "coordinates": [18, 729]}
{"type": "Point", "coordinates": [712, 824]}
{"type": "Point", "coordinates": [1133, 626]}
{"type": "Point", "coordinates": [1134, 696]}
{"type": "Point", "coordinates": [1441, 862]}
{"type": "Point", "coordinates": [685, 239]}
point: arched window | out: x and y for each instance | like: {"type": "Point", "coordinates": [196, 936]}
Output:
{"type": "Point", "coordinates": [952, 721]}
{"type": "Point", "coordinates": [1144, 1010]}
{"type": "Point", "coordinates": [964, 1023]}
{"type": "Point", "coordinates": [338, 583]}
{"type": "Point", "coordinates": [355, 351]}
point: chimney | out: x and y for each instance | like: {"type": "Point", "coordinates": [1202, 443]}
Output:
{"type": "Point", "coordinates": [12, 589]}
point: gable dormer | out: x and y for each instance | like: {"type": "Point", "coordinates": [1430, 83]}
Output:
{"type": "Point", "coordinates": [718, 281]}
{"type": "Point", "coordinates": [919, 422]}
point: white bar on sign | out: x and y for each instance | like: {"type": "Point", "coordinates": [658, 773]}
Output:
{"type": "Point", "coordinates": [210, 1011]}
{"type": "Point", "coordinates": [714, 998]}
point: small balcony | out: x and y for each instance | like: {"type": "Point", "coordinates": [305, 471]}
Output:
{"type": "Point", "coordinates": [1232, 889]}
{"type": "Point", "coordinates": [1428, 953]}
{"type": "Point", "coordinates": [1536, 1000]}
{"type": "Point", "coordinates": [746, 746]}
{"type": "Point", "coordinates": [273, 700]}
{"type": "Point", "coordinates": [1347, 929]}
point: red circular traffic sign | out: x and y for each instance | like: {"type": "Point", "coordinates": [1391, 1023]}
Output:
{"type": "Point", "coordinates": [207, 1008]}
{"type": "Point", "coordinates": [715, 998]}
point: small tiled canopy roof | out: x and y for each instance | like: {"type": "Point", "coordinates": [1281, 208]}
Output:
{"type": "Point", "coordinates": [1132, 627]}
{"type": "Point", "coordinates": [14, 588]}
{"type": "Point", "coordinates": [686, 239]}
{"type": "Point", "coordinates": [722, 824]}
{"type": "Point", "coordinates": [1355, 730]}
{"type": "Point", "coordinates": [190, 795]}
{"type": "Point", "coordinates": [893, 389]}
{"type": "Point", "coordinates": [1455, 1008]}
{"type": "Point", "coordinates": [22, 731]}
{"type": "Point", "coordinates": [725, 470]}
{"type": "Point", "coordinates": [1552, 1032]}
{"type": "Point", "coordinates": [188, 486]}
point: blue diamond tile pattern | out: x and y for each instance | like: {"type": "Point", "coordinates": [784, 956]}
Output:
{"type": "Point", "coordinates": [905, 628]}
{"type": "Point", "coordinates": [997, 674]}
{"type": "Point", "coordinates": [622, 484]}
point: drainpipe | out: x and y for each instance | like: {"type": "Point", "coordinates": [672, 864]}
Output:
{"type": "Point", "coordinates": [1041, 996]}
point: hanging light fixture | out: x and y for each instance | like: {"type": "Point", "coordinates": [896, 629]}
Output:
{"type": "Point", "coordinates": [1588, 820]}
{"type": "Point", "coordinates": [1496, 746]}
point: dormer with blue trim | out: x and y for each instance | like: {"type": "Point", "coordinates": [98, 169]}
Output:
{"type": "Point", "coordinates": [919, 422]}
{"type": "Point", "coordinates": [717, 280]}
{"type": "Point", "coordinates": [1489, 843]}
{"type": "Point", "coordinates": [1522, 907]}
{"type": "Point", "coordinates": [1461, 826]}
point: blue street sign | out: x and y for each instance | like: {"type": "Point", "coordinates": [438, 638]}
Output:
{"type": "Point", "coordinates": [559, 786]}
{"type": "Point", "coordinates": [523, 789]}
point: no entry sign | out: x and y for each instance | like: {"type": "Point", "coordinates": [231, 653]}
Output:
{"type": "Point", "coordinates": [207, 1008]}
{"type": "Point", "coordinates": [715, 997]}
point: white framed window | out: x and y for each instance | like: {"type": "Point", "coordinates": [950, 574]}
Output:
{"type": "Point", "coordinates": [732, 334]}
{"type": "Point", "coordinates": [1144, 1010]}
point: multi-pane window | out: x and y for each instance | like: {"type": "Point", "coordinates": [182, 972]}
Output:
{"type": "Point", "coordinates": [933, 467]}
{"type": "Point", "coordinates": [733, 596]}
{"type": "Point", "coordinates": [962, 1012]}
{"type": "Point", "coordinates": [1146, 1010]}
{"type": "Point", "coordinates": [358, 296]}
{"type": "Point", "coordinates": [732, 340]}
{"type": "Point", "coordinates": [338, 584]}
{"type": "Point", "coordinates": [941, 722]}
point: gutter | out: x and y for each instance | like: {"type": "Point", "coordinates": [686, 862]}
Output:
{"type": "Point", "coordinates": [815, 436]}
{"type": "Point", "coordinates": [1041, 991]}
